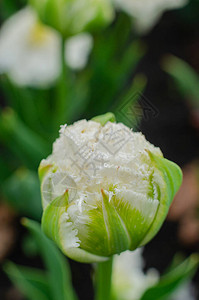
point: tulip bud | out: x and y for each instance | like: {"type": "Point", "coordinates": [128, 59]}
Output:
{"type": "Point", "coordinates": [105, 189]}
{"type": "Point", "coordinates": [70, 17]}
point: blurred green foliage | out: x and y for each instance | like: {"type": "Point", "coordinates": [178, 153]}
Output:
{"type": "Point", "coordinates": [21, 190]}
{"type": "Point", "coordinates": [63, 15]}
{"type": "Point", "coordinates": [185, 78]}
{"type": "Point", "coordinates": [9, 7]}
{"type": "Point", "coordinates": [30, 118]}
{"type": "Point", "coordinates": [53, 283]}
{"type": "Point", "coordinates": [169, 282]}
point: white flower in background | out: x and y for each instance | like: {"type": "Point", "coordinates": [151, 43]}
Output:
{"type": "Point", "coordinates": [29, 50]}
{"type": "Point", "coordinates": [76, 16]}
{"type": "Point", "coordinates": [77, 51]}
{"type": "Point", "coordinates": [147, 12]}
{"type": "Point", "coordinates": [129, 281]}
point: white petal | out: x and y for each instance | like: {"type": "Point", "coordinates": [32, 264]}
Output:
{"type": "Point", "coordinates": [77, 50]}
{"type": "Point", "coordinates": [67, 233]}
{"type": "Point", "coordinates": [12, 35]}
{"type": "Point", "coordinates": [85, 151]}
{"type": "Point", "coordinates": [128, 279]}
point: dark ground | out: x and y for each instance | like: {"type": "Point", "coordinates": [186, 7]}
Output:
{"type": "Point", "coordinates": [171, 130]}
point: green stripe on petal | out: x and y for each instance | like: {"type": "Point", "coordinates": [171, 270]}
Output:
{"type": "Point", "coordinates": [118, 236]}
{"type": "Point", "coordinates": [168, 177]}
{"type": "Point", "coordinates": [92, 231]}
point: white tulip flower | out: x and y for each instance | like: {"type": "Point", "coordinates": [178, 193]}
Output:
{"type": "Point", "coordinates": [74, 17]}
{"type": "Point", "coordinates": [29, 50]}
{"type": "Point", "coordinates": [105, 189]}
{"type": "Point", "coordinates": [129, 282]}
{"type": "Point", "coordinates": [147, 12]}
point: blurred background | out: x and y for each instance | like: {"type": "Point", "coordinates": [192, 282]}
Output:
{"type": "Point", "coordinates": [138, 59]}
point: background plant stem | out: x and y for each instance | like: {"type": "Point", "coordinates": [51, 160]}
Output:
{"type": "Point", "coordinates": [61, 101]}
{"type": "Point", "coordinates": [103, 280]}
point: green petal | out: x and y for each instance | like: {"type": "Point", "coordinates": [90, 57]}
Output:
{"type": "Point", "coordinates": [43, 170]}
{"type": "Point", "coordinates": [137, 212]}
{"type": "Point", "coordinates": [103, 119]}
{"type": "Point", "coordinates": [118, 237]}
{"type": "Point", "coordinates": [57, 226]}
{"type": "Point", "coordinates": [102, 231]}
{"type": "Point", "coordinates": [92, 231]}
{"type": "Point", "coordinates": [168, 176]}
{"type": "Point", "coordinates": [51, 216]}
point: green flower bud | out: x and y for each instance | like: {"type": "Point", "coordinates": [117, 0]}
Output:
{"type": "Point", "coordinates": [74, 16]}
{"type": "Point", "coordinates": [105, 189]}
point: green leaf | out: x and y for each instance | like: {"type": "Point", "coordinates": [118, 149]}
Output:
{"type": "Point", "coordinates": [59, 275]}
{"type": "Point", "coordinates": [79, 97]}
{"type": "Point", "coordinates": [128, 110]}
{"type": "Point", "coordinates": [185, 77]}
{"type": "Point", "coordinates": [171, 281]}
{"type": "Point", "coordinates": [22, 191]}
{"type": "Point", "coordinates": [112, 64]}
{"type": "Point", "coordinates": [21, 140]}
{"type": "Point", "coordinates": [9, 7]}
{"type": "Point", "coordinates": [31, 282]}
{"type": "Point", "coordinates": [33, 106]}
{"type": "Point", "coordinates": [5, 165]}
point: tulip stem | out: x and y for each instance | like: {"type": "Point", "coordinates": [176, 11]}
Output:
{"type": "Point", "coordinates": [103, 280]}
{"type": "Point", "coordinates": [62, 90]}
